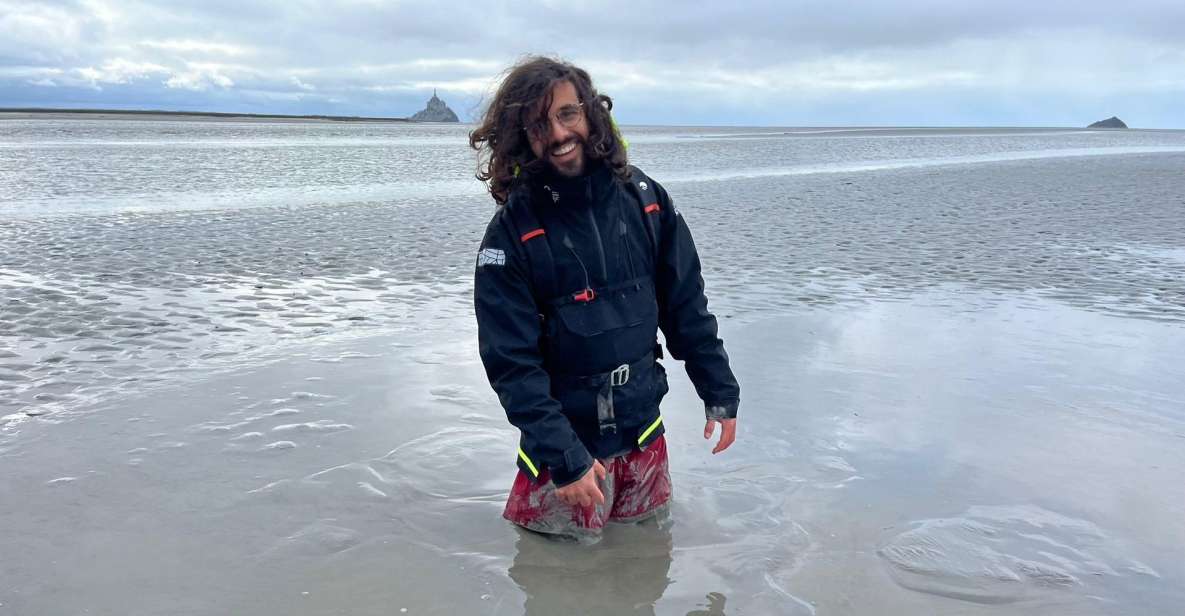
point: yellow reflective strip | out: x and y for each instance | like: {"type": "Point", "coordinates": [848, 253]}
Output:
{"type": "Point", "coordinates": [523, 455]}
{"type": "Point", "coordinates": [650, 429]}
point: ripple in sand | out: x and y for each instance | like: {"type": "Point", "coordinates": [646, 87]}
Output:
{"type": "Point", "coordinates": [454, 394]}
{"type": "Point", "coordinates": [999, 554]}
{"type": "Point", "coordinates": [308, 395]}
{"type": "Point", "coordinates": [277, 446]}
{"type": "Point", "coordinates": [321, 425]}
{"type": "Point", "coordinates": [217, 428]}
{"type": "Point", "coordinates": [344, 356]}
{"type": "Point", "coordinates": [12, 376]}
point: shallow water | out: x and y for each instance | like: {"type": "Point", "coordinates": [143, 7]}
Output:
{"type": "Point", "coordinates": [958, 349]}
{"type": "Point", "coordinates": [894, 458]}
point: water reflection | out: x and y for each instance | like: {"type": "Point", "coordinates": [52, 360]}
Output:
{"type": "Point", "coordinates": [715, 606]}
{"type": "Point", "coordinates": [626, 573]}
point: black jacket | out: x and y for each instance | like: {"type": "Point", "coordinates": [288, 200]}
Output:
{"type": "Point", "coordinates": [550, 348]}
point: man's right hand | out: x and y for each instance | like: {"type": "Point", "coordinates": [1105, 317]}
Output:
{"type": "Point", "coordinates": [585, 491]}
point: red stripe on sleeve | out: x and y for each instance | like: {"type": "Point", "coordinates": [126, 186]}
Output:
{"type": "Point", "coordinates": [531, 234]}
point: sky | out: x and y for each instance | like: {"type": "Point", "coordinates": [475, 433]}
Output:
{"type": "Point", "coordinates": [738, 63]}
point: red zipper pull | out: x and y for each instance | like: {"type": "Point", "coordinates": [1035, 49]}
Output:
{"type": "Point", "coordinates": [586, 295]}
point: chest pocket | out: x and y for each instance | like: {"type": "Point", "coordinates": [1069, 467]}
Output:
{"type": "Point", "coordinates": [618, 326]}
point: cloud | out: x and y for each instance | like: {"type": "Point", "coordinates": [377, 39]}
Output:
{"type": "Point", "coordinates": [770, 61]}
{"type": "Point", "coordinates": [199, 80]}
{"type": "Point", "coordinates": [118, 70]}
{"type": "Point", "coordinates": [182, 46]}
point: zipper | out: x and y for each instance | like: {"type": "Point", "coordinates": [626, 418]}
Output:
{"type": "Point", "coordinates": [600, 245]}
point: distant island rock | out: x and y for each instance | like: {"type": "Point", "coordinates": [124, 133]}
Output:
{"type": "Point", "coordinates": [436, 111]}
{"type": "Point", "coordinates": [1111, 122]}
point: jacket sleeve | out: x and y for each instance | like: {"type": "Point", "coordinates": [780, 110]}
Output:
{"type": "Point", "coordinates": [690, 329]}
{"type": "Point", "coordinates": [508, 333]}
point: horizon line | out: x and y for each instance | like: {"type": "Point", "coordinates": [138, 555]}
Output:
{"type": "Point", "coordinates": [349, 118]}
{"type": "Point", "coordinates": [215, 114]}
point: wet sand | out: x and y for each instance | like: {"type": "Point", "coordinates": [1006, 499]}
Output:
{"type": "Point", "coordinates": [943, 455]}
{"type": "Point", "coordinates": [98, 304]}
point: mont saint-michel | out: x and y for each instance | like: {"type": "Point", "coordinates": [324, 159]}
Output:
{"type": "Point", "coordinates": [436, 111]}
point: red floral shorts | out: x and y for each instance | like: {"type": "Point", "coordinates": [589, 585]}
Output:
{"type": "Point", "coordinates": [636, 486]}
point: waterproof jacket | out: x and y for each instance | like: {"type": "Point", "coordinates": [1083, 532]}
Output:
{"type": "Point", "coordinates": [569, 294]}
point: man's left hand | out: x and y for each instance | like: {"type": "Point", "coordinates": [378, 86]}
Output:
{"type": "Point", "coordinates": [727, 435]}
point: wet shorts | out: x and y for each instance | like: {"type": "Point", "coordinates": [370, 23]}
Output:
{"type": "Point", "coordinates": [636, 486]}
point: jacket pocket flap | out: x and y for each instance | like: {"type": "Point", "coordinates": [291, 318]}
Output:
{"type": "Point", "coordinates": [610, 311]}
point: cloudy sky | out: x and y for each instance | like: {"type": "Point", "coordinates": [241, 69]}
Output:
{"type": "Point", "coordinates": [787, 63]}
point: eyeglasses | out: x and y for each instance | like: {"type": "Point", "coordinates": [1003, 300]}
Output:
{"type": "Point", "coordinates": [568, 116]}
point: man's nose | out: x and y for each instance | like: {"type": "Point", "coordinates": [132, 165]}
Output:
{"type": "Point", "coordinates": [559, 132]}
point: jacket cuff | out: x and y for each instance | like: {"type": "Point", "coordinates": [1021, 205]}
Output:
{"type": "Point", "coordinates": [577, 462]}
{"type": "Point", "coordinates": [726, 409]}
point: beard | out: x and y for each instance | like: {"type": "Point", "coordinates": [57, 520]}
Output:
{"type": "Point", "coordinates": [572, 164]}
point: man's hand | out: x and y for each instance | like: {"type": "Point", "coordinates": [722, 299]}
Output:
{"type": "Point", "coordinates": [727, 435]}
{"type": "Point", "coordinates": [585, 491]}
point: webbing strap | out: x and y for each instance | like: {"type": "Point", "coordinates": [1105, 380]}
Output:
{"type": "Point", "coordinates": [643, 189]}
{"type": "Point", "coordinates": [534, 240]}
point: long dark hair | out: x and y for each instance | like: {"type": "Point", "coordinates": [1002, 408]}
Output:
{"type": "Point", "coordinates": [505, 155]}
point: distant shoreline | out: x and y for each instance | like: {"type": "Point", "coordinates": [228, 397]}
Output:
{"type": "Point", "coordinates": [9, 112]}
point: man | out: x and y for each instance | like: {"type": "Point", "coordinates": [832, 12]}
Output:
{"type": "Point", "coordinates": [583, 261]}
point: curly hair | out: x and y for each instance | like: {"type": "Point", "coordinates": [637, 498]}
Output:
{"type": "Point", "coordinates": [504, 150]}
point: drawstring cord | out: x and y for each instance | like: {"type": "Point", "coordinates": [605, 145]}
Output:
{"type": "Point", "coordinates": [568, 244]}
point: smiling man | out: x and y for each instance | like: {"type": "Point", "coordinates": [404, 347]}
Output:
{"type": "Point", "coordinates": [584, 260]}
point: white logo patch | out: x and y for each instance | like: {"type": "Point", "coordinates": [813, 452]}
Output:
{"type": "Point", "coordinates": [643, 186]}
{"type": "Point", "coordinates": [491, 256]}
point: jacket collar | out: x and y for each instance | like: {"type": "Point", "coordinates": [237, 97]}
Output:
{"type": "Point", "coordinates": [550, 187]}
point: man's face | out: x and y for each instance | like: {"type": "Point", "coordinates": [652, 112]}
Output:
{"type": "Point", "coordinates": [559, 145]}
